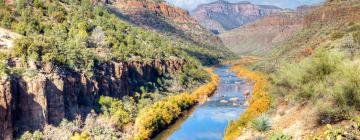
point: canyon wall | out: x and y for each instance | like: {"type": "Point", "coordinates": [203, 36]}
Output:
{"type": "Point", "coordinates": [221, 16]}
{"type": "Point", "coordinates": [162, 17]}
{"type": "Point", "coordinates": [333, 12]}
{"type": "Point", "coordinates": [29, 103]}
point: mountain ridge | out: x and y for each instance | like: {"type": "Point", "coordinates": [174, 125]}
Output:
{"type": "Point", "coordinates": [220, 16]}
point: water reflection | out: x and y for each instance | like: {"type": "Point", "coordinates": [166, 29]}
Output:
{"type": "Point", "coordinates": [209, 120]}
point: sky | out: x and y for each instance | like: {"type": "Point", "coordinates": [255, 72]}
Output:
{"type": "Point", "coordinates": [292, 4]}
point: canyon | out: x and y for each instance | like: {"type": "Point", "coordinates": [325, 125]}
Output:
{"type": "Point", "coordinates": [221, 16]}
{"type": "Point", "coordinates": [29, 103]}
{"type": "Point", "coordinates": [162, 17]}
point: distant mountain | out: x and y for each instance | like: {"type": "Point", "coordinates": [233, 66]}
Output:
{"type": "Point", "coordinates": [263, 34]}
{"type": "Point", "coordinates": [221, 15]}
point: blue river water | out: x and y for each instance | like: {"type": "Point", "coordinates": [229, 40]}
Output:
{"type": "Point", "coordinates": [208, 121]}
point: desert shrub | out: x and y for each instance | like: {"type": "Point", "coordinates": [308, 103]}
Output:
{"type": "Point", "coordinates": [116, 110]}
{"type": "Point", "coordinates": [279, 135]}
{"type": "Point", "coordinates": [82, 136]}
{"type": "Point", "coordinates": [304, 80]}
{"type": "Point", "coordinates": [331, 115]}
{"type": "Point", "coordinates": [356, 37]}
{"type": "Point", "coordinates": [354, 27]}
{"type": "Point", "coordinates": [3, 64]}
{"type": "Point", "coordinates": [337, 35]}
{"type": "Point", "coordinates": [261, 124]}
{"type": "Point", "coordinates": [347, 91]}
{"type": "Point", "coordinates": [37, 135]}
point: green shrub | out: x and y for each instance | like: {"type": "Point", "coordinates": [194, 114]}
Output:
{"type": "Point", "coordinates": [154, 118]}
{"type": "Point", "coordinates": [279, 136]}
{"type": "Point", "coordinates": [356, 37]}
{"type": "Point", "coordinates": [37, 135]}
{"type": "Point", "coordinates": [354, 27]}
{"type": "Point", "coordinates": [3, 64]}
{"type": "Point", "coordinates": [347, 93]}
{"type": "Point", "coordinates": [261, 124]}
{"type": "Point", "coordinates": [306, 79]}
{"type": "Point", "coordinates": [116, 110]}
{"type": "Point", "coordinates": [330, 115]}
{"type": "Point", "coordinates": [337, 35]}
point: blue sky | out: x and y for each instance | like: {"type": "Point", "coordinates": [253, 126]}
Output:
{"type": "Point", "coordinates": [192, 4]}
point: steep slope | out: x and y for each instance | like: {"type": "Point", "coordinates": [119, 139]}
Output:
{"type": "Point", "coordinates": [173, 21]}
{"type": "Point", "coordinates": [221, 16]}
{"type": "Point", "coordinates": [314, 78]}
{"type": "Point", "coordinates": [321, 24]}
{"type": "Point", "coordinates": [263, 34]}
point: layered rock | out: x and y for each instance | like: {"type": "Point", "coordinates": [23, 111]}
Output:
{"type": "Point", "coordinates": [29, 103]}
{"type": "Point", "coordinates": [221, 16]}
{"type": "Point", "coordinates": [165, 18]}
{"type": "Point", "coordinates": [333, 12]}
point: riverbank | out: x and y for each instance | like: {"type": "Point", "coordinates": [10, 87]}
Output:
{"type": "Point", "coordinates": [157, 117]}
{"type": "Point", "coordinates": [258, 104]}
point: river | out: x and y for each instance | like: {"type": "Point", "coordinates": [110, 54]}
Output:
{"type": "Point", "coordinates": [208, 121]}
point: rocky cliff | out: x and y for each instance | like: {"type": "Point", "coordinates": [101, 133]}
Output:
{"type": "Point", "coordinates": [165, 18]}
{"type": "Point", "coordinates": [29, 103]}
{"type": "Point", "coordinates": [332, 12]}
{"type": "Point", "coordinates": [221, 16]}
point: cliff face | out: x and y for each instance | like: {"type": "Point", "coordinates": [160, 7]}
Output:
{"type": "Point", "coordinates": [332, 12]}
{"type": "Point", "coordinates": [221, 16]}
{"type": "Point", "coordinates": [31, 103]}
{"type": "Point", "coordinates": [6, 109]}
{"type": "Point", "coordinates": [165, 18]}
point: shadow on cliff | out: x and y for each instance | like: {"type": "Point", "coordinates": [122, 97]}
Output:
{"type": "Point", "coordinates": [3, 119]}
{"type": "Point", "coordinates": [30, 114]}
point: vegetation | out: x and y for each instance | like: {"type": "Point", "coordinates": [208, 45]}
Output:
{"type": "Point", "coordinates": [279, 136]}
{"type": "Point", "coordinates": [317, 79]}
{"type": "Point", "coordinates": [161, 114]}
{"type": "Point", "coordinates": [261, 124]}
{"type": "Point", "coordinates": [259, 102]}
{"type": "Point", "coordinates": [80, 34]}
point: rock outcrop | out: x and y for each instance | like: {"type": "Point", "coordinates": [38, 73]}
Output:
{"type": "Point", "coordinates": [6, 109]}
{"type": "Point", "coordinates": [221, 16]}
{"type": "Point", "coordinates": [162, 17]}
{"type": "Point", "coordinates": [333, 12]}
{"type": "Point", "coordinates": [29, 103]}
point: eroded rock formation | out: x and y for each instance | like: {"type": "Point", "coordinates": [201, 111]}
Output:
{"type": "Point", "coordinates": [169, 19]}
{"type": "Point", "coordinates": [28, 103]}
{"type": "Point", "coordinates": [221, 15]}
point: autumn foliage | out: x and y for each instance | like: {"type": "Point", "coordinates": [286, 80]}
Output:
{"type": "Point", "coordinates": [157, 117]}
{"type": "Point", "coordinates": [259, 103]}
